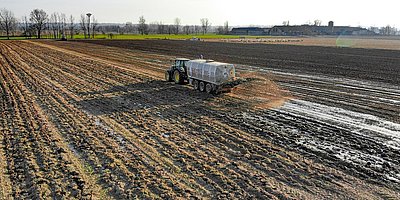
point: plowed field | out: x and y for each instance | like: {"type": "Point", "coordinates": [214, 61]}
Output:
{"type": "Point", "coordinates": [90, 121]}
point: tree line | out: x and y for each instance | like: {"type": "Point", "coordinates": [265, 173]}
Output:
{"type": "Point", "coordinates": [55, 25]}
{"type": "Point", "coordinates": [60, 26]}
{"type": "Point", "coordinates": [175, 28]}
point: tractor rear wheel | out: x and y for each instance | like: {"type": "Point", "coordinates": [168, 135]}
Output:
{"type": "Point", "coordinates": [168, 76]}
{"type": "Point", "coordinates": [195, 84]}
{"type": "Point", "coordinates": [202, 86]}
{"type": "Point", "coordinates": [209, 88]}
{"type": "Point", "coordinates": [177, 77]}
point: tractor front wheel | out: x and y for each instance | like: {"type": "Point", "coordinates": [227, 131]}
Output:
{"type": "Point", "coordinates": [168, 76]}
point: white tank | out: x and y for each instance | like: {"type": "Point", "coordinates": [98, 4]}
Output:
{"type": "Point", "coordinates": [210, 71]}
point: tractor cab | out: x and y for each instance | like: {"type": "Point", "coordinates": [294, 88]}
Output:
{"type": "Point", "coordinates": [178, 71]}
{"type": "Point", "coordinates": [180, 64]}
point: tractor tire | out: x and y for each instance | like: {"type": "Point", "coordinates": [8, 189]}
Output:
{"type": "Point", "coordinates": [202, 86]}
{"type": "Point", "coordinates": [178, 79]}
{"type": "Point", "coordinates": [209, 88]}
{"type": "Point", "coordinates": [195, 84]}
{"type": "Point", "coordinates": [168, 77]}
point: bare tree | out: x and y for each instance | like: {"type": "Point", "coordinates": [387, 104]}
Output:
{"type": "Point", "coordinates": [153, 28]}
{"type": "Point", "coordinates": [94, 25]}
{"type": "Point", "coordinates": [71, 27]}
{"type": "Point", "coordinates": [177, 24]}
{"type": "Point", "coordinates": [317, 22]}
{"type": "Point", "coordinates": [129, 27]}
{"type": "Point", "coordinates": [38, 19]}
{"type": "Point", "coordinates": [197, 29]}
{"type": "Point", "coordinates": [226, 27]}
{"type": "Point", "coordinates": [374, 29]}
{"type": "Point", "coordinates": [26, 28]}
{"type": "Point", "coordinates": [220, 30]}
{"type": "Point", "coordinates": [63, 25]}
{"type": "Point", "coordinates": [186, 29]}
{"type": "Point", "coordinates": [160, 28]}
{"type": "Point", "coordinates": [170, 29]}
{"type": "Point", "coordinates": [142, 28]}
{"type": "Point", "coordinates": [53, 25]}
{"type": "Point", "coordinates": [83, 25]}
{"type": "Point", "coordinates": [285, 23]}
{"type": "Point", "coordinates": [8, 22]}
{"type": "Point", "coordinates": [205, 25]}
{"type": "Point", "coordinates": [388, 30]}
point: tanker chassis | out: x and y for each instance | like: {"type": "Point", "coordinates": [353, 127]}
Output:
{"type": "Point", "coordinates": [204, 75]}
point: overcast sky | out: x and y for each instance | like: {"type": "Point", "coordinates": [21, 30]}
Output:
{"type": "Point", "coordinates": [246, 12]}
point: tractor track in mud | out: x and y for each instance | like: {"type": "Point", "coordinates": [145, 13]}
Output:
{"type": "Point", "coordinates": [128, 134]}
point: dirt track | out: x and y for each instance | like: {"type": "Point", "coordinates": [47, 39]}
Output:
{"type": "Point", "coordinates": [89, 121]}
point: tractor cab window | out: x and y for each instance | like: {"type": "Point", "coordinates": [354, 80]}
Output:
{"type": "Point", "coordinates": [184, 63]}
{"type": "Point", "coordinates": [177, 63]}
{"type": "Point", "coordinates": [180, 63]}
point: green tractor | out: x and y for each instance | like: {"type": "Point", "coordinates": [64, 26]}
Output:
{"type": "Point", "coordinates": [178, 71]}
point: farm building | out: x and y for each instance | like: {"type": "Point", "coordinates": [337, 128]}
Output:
{"type": "Point", "coordinates": [319, 30]}
{"type": "Point", "coordinates": [302, 30]}
{"type": "Point", "coordinates": [250, 31]}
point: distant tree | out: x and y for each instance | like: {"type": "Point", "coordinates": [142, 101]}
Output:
{"type": "Point", "coordinates": [153, 28]}
{"type": "Point", "coordinates": [8, 22]}
{"type": "Point", "coordinates": [226, 27]}
{"type": "Point", "coordinates": [374, 29]}
{"type": "Point", "coordinates": [26, 28]}
{"type": "Point", "coordinates": [53, 25]}
{"type": "Point", "coordinates": [128, 28]}
{"type": "Point", "coordinates": [93, 26]}
{"type": "Point", "coordinates": [388, 30]}
{"type": "Point", "coordinates": [186, 29]}
{"type": "Point", "coordinates": [160, 28]}
{"type": "Point", "coordinates": [285, 23]}
{"type": "Point", "coordinates": [62, 24]}
{"type": "Point", "coordinates": [197, 29]}
{"type": "Point", "coordinates": [205, 25]}
{"type": "Point", "coordinates": [71, 26]}
{"type": "Point", "coordinates": [38, 18]}
{"type": "Point", "coordinates": [317, 22]}
{"type": "Point", "coordinates": [220, 30]}
{"type": "Point", "coordinates": [83, 24]}
{"type": "Point", "coordinates": [142, 27]}
{"type": "Point", "coordinates": [170, 29]}
{"type": "Point", "coordinates": [177, 23]}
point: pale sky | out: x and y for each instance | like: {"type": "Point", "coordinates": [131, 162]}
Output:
{"type": "Point", "coordinates": [243, 13]}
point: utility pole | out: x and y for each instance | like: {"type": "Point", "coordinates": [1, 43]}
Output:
{"type": "Point", "coordinates": [89, 14]}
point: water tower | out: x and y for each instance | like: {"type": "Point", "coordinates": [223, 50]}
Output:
{"type": "Point", "coordinates": [88, 28]}
{"type": "Point", "coordinates": [330, 25]}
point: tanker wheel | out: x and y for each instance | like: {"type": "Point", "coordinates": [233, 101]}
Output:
{"type": "Point", "coordinates": [177, 77]}
{"type": "Point", "coordinates": [209, 88]}
{"type": "Point", "coordinates": [202, 86]}
{"type": "Point", "coordinates": [195, 84]}
{"type": "Point", "coordinates": [168, 76]}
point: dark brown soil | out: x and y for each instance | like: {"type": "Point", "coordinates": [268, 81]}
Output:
{"type": "Point", "coordinates": [86, 121]}
{"type": "Point", "coordinates": [369, 64]}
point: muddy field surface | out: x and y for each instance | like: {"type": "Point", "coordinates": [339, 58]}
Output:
{"type": "Point", "coordinates": [361, 64]}
{"type": "Point", "coordinates": [90, 121]}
